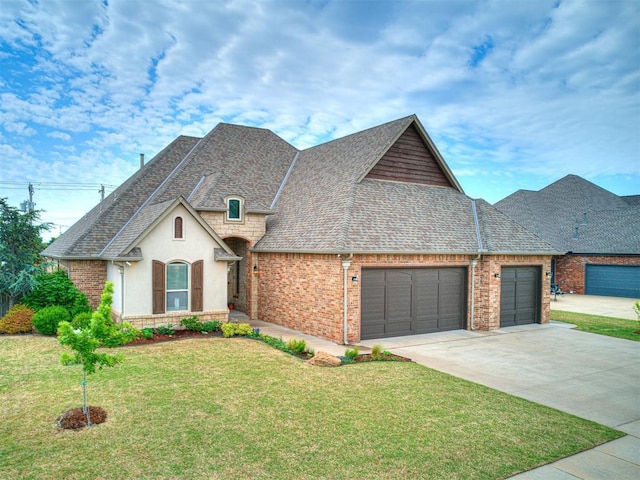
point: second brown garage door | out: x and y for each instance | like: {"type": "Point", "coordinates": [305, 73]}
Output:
{"type": "Point", "coordinates": [519, 296]}
{"type": "Point", "coordinates": [408, 301]}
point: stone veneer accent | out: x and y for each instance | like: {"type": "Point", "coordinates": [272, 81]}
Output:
{"type": "Point", "coordinates": [571, 269]}
{"type": "Point", "coordinates": [305, 291]}
{"type": "Point", "coordinates": [89, 276]}
{"type": "Point", "coordinates": [250, 231]}
{"type": "Point", "coordinates": [173, 318]}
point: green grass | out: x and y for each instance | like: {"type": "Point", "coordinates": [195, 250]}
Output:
{"type": "Point", "coordinates": [236, 408]}
{"type": "Point", "coordinates": [612, 327]}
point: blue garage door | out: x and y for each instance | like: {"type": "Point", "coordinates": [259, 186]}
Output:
{"type": "Point", "coordinates": [613, 281]}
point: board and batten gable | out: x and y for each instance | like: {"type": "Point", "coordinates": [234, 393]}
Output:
{"type": "Point", "coordinates": [409, 160]}
{"type": "Point", "coordinates": [160, 245]}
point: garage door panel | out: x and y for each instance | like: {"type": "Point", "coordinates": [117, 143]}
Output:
{"type": "Point", "coordinates": [416, 300]}
{"type": "Point", "coordinates": [399, 301]}
{"type": "Point", "coordinates": [613, 280]}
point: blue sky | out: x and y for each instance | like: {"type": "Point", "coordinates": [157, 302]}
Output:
{"type": "Point", "coordinates": [515, 94]}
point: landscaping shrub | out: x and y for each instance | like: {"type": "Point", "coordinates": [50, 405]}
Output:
{"type": "Point", "coordinates": [377, 352]}
{"type": "Point", "coordinates": [241, 329]}
{"type": "Point", "coordinates": [351, 353]}
{"type": "Point", "coordinates": [228, 330]}
{"type": "Point", "coordinates": [212, 326]}
{"type": "Point", "coordinates": [46, 320]}
{"type": "Point", "coordinates": [273, 341]}
{"type": "Point", "coordinates": [192, 323]}
{"type": "Point", "coordinates": [146, 333]}
{"type": "Point", "coordinates": [297, 346]}
{"type": "Point", "coordinates": [165, 330]}
{"type": "Point", "coordinates": [81, 320]}
{"type": "Point", "coordinates": [55, 289]}
{"type": "Point", "coordinates": [19, 319]}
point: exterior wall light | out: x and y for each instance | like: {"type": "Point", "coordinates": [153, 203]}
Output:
{"type": "Point", "coordinates": [548, 274]}
{"type": "Point", "coordinates": [496, 275]}
{"type": "Point", "coordinates": [354, 279]}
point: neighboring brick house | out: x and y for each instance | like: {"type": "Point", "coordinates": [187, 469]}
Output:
{"type": "Point", "coordinates": [362, 237]}
{"type": "Point", "coordinates": [598, 230]}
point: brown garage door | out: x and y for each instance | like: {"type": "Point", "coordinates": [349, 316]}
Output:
{"type": "Point", "coordinates": [519, 296]}
{"type": "Point", "coordinates": [408, 301]}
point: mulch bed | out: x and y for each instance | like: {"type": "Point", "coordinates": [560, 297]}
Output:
{"type": "Point", "coordinates": [366, 357]}
{"type": "Point", "coordinates": [180, 334]}
{"type": "Point", "coordinates": [74, 418]}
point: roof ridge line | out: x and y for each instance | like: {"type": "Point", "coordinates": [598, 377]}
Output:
{"type": "Point", "coordinates": [146, 202]}
{"type": "Point", "coordinates": [346, 223]}
{"type": "Point", "coordinates": [284, 180]}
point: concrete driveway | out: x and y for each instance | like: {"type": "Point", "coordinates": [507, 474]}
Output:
{"type": "Point", "coordinates": [596, 305]}
{"type": "Point", "coordinates": [588, 375]}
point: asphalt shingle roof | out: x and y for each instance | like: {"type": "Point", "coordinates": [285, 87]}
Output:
{"type": "Point", "coordinates": [574, 215]}
{"type": "Point", "coordinates": [89, 235]}
{"type": "Point", "coordinates": [324, 202]}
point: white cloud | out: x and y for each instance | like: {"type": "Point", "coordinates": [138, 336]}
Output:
{"type": "Point", "coordinates": [89, 85]}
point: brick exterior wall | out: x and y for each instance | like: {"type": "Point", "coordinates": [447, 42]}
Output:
{"type": "Point", "coordinates": [89, 276]}
{"type": "Point", "coordinates": [571, 269]}
{"type": "Point", "coordinates": [305, 291]}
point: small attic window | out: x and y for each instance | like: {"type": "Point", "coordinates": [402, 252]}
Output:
{"type": "Point", "coordinates": [178, 229]}
{"type": "Point", "coordinates": [234, 209]}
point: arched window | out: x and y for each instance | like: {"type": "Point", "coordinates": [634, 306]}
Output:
{"type": "Point", "coordinates": [177, 228]}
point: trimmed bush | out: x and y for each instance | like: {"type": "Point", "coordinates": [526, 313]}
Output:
{"type": "Point", "coordinates": [55, 289]}
{"type": "Point", "coordinates": [19, 319]}
{"type": "Point", "coordinates": [240, 329]}
{"type": "Point", "coordinates": [81, 320]}
{"type": "Point", "coordinates": [46, 320]}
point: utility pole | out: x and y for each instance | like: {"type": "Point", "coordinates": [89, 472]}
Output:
{"type": "Point", "coordinates": [28, 206]}
{"type": "Point", "coordinates": [101, 193]}
{"type": "Point", "coordinates": [31, 197]}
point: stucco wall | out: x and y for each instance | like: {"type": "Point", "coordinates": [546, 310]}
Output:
{"type": "Point", "coordinates": [196, 244]}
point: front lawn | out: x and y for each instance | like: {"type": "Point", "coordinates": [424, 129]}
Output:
{"type": "Point", "coordinates": [612, 327]}
{"type": "Point", "coordinates": [237, 408]}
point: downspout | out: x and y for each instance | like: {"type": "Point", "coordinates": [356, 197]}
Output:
{"type": "Point", "coordinates": [120, 266]}
{"type": "Point", "coordinates": [474, 262]}
{"type": "Point", "coordinates": [122, 293]}
{"type": "Point", "coordinates": [346, 263]}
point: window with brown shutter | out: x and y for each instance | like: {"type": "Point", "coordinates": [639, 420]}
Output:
{"type": "Point", "coordinates": [196, 286]}
{"type": "Point", "coordinates": [177, 227]}
{"type": "Point", "coordinates": [158, 280]}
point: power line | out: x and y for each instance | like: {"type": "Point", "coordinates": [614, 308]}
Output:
{"type": "Point", "coordinates": [29, 205]}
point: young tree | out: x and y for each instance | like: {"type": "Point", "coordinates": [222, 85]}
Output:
{"type": "Point", "coordinates": [102, 332]}
{"type": "Point", "coordinates": [20, 247]}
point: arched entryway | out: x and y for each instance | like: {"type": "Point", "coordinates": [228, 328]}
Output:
{"type": "Point", "coordinates": [238, 276]}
